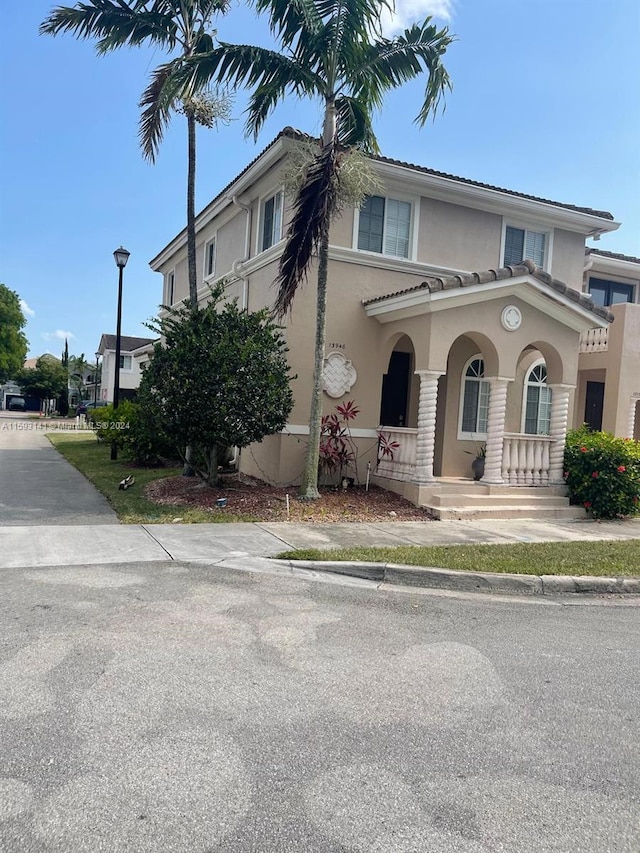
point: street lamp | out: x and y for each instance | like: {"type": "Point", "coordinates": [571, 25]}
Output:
{"type": "Point", "coordinates": [95, 381]}
{"type": "Point", "coordinates": [121, 257]}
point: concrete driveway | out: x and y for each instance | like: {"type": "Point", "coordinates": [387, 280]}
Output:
{"type": "Point", "coordinates": [192, 709]}
{"type": "Point", "coordinates": [37, 486]}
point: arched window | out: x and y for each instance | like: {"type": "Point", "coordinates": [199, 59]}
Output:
{"type": "Point", "coordinates": [537, 401]}
{"type": "Point", "coordinates": [475, 400]}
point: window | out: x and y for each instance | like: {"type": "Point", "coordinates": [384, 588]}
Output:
{"type": "Point", "coordinates": [210, 258]}
{"type": "Point", "coordinates": [475, 400]}
{"type": "Point", "coordinates": [125, 362]}
{"type": "Point", "coordinates": [537, 410]}
{"type": "Point", "coordinates": [384, 226]}
{"type": "Point", "coordinates": [271, 221]}
{"type": "Point", "coordinates": [171, 278]}
{"type": "Point", "coordinates": [606, 293]}
{"type": "Point", "coordinates": [520, 244]}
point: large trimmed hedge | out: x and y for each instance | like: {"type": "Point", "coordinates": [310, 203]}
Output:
{"type": "Point", "coordinates": [603, 473]}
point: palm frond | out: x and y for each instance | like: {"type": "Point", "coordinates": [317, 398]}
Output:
{"type": "Point", "coordinates": [355, 128]}
{"type": "Point", "coordinates": [289, 18]}
{"type": "Point", "coordinates": [114, 23]}
{"type": "Point", "coordinates": [388, 63]}
{"type": "Point", "coordinates": [313, 209]}
{"type": "Point", "coordinates": [157, 102]}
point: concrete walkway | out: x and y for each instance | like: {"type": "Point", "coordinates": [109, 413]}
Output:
{"type": "Point", "coordinates": [37, 485]}
{"type": "Point", "coordinates": [65, 545]}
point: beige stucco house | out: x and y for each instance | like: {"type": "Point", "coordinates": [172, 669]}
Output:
{"type": "Point", "coordinates": [459, 315]}
{"type": "Point", "coordinates": [134, 353]}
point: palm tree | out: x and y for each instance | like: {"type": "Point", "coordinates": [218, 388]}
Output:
{"type": "Point", "coordinates": [168, 24]}
{"type": "Point", "coordinates": [331, 50]}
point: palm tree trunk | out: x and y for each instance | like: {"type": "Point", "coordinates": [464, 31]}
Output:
{"type": "Point", "coordinates": [191, 210]}
{"type": "Point", "coordinates": [309, 488]}
{"type": "Point", "coordinates": [187, 470]}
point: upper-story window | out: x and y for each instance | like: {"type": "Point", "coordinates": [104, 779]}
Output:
{"type": "Point", "coordinates": [171, 281]}
{"type": "Point", "coordinates": [605, 292]}
{"type": "Point", "coordinates": [384, 226]}
{"type": "Point", "coordinates": [271, 218]}
{"type": "Point", "coordinates": [537, 408]}
{"type": "Point", "coordinates": [474, 410]}
{"type": "Point", "coordinates": [125, 362]}
{"type": "Point", "coordinates": [210, 258]}
{"type": "Point", "coordinates": [521, 244]}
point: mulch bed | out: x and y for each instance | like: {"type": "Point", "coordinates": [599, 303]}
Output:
{"type": "Point", "coordinates": [250, 497]}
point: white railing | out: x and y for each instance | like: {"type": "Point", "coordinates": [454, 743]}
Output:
{"type": "Point", "coordinates": [594, 340]}
{"type": "Point", "coordinates": [525, 459]}
{"type": "Point", "coordinates": [404, 457]}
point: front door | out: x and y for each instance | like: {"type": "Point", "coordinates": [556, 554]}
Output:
{"type": "Point", "coordinates": [395, 390]}
{"type": "Point", "coordinates": [593, 405]}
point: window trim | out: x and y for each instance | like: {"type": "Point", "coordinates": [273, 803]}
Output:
{"type": "Point", "coordinates": [469, 436]}
{"type": "Point", "coordinates": [129, 369]}
{"type": "Point", "coordinates": [170, 276]}
{"type": "Point", "coordinates": [208, 276]}
{"type": "Point", "coordinates": [528, 225]}
{"type": "Point", "coordinates": [414, 224]}
{"type": "Point", "coordinates": [262, 200]}
{"type": "Point", "coordinates": [525, 386]}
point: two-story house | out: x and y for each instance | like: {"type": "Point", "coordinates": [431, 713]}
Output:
{"type": "Point", "coordinates": [134, 352]}
{"type": "Point", "coordinates": [457, 315]}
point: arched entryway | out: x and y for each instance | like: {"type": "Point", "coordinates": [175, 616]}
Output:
{"type": "Point", "coordinates": [398, 400]}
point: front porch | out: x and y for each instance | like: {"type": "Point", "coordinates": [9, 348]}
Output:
{"type": "Point", "coordinates": [527, 490]}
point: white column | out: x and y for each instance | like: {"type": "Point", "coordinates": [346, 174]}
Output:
{"type": "Point", "coordinates": [631, 427]}
{"type": "Point", "coordinates": [495, 430]}
{"type": "Point", "coordinates": [426, 437]}
{"type": "Point", "coordinates": [558, 431]}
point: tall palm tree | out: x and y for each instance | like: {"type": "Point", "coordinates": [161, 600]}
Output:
{"type": "Point", "coordinates": [184, 25]}
{"type": "Point", "coordinates": [331, 50]}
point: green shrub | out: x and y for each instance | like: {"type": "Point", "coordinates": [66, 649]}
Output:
{"type": "Point", "coordinates": [135, 430]}
{"type": "Point", "coordinates": [603, 472]}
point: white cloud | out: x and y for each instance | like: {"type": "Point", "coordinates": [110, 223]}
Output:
{"type": "Point", "coordinates": [409, 12]}
{"type": "Point", "coordinates": [29, 312]}
{"type": "Point", "coordinates": [58, 335]}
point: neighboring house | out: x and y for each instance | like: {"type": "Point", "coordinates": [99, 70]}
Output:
{"type": "Point", "coordinates": [130, 369]}
{"type": "Point", "coordinates": [82, 386]}
{"type": "Point", "coordinates": [456, 318]}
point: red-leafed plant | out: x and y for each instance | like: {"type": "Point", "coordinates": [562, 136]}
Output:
{"type": "Point", "coordinates": [386, 447]}
{"type": "Point", "coordinates": [338, 451]}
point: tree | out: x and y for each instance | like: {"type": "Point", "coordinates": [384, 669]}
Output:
{"type": "Point", "coordinates": [46, 381]}
{"type": "Point", "coordinates": [331, 50]}
{"type": "Point", "coordinates": [219, 380]}
{"type": "Point", "coordinates": [13, 343]}
{"type": "Point", "coordinates": [78, 366]}
{"type": "Point", "coordinates": [167, 24]}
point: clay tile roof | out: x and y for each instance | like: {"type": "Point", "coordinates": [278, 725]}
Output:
{"type": "Point", "coordinates": [614, 255]}
{"type": "Point", "coordinates": [527, 267]}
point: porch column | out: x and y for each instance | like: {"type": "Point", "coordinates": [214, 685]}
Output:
{"type": "Point", "coordinates": [631, 428]}
{"type": "Point", "coordinates": [558, 431]}
{"type": "Point", "coordinates": [495, 430]}
{"type": "Point", "coordinates": [426, 437]}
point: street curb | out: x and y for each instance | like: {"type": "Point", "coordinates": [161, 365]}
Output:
{"type": "Point", "coordinates": [435, 578]}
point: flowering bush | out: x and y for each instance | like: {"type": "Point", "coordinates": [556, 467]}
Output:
{"type": "Point", "coordinates": [603, 472]}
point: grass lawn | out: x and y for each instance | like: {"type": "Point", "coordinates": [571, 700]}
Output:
{"type": "Point", "coordinates": [546, 558]}
{"type": "Point", "coordinates": [91, 458]}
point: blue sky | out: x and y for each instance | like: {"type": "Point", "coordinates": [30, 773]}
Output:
{"type": "Point", "coordinates": [546, 100]}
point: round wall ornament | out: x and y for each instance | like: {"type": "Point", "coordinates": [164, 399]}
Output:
{"type": "Point", "coordinates": [511, 318]}
{"type": "Point", "coordinates": [338, 374]}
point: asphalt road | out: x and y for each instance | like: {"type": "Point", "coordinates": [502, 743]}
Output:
{"type": "Point", "coordinates": [180, 707]}
{"type": "Point", "coordinates": [37, 485]}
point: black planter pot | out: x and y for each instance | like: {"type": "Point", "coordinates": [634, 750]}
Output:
{"type": "Point", "coordinates": [477, 466]}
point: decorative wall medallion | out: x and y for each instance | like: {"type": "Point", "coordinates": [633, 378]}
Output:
{"type": "Point", "coordinates": [511, 318]}
{"type": "Point", "coordinates": [338, 374]}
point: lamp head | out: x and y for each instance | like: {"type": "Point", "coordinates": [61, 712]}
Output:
{"type": "Point", "coordinates": [122, 256]}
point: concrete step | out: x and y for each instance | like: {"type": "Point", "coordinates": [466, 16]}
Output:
{"type": "Point", "coordinates": [523, 510]}
{"type": "Point", "coordinates": [444, 499]}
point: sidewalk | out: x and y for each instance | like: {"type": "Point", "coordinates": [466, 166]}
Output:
{"type": "Point", "coordinates": [67, 545]}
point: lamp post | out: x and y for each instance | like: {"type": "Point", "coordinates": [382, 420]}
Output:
{"type": "Point", "coordinates": [121, 257]}
{"type": "Point", "coordinates": [95, 382]}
